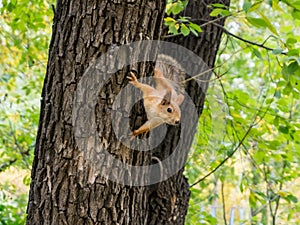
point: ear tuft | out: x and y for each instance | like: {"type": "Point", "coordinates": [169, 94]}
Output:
{"type": "Point", "coordinates": [165, 102]}
{"type": "Point", "coordinates": [179, 100]}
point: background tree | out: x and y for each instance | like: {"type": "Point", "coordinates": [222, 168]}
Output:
{"type": "Point", "coordinates": [246, 139]}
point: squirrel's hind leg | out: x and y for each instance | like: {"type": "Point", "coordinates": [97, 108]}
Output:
{"type": "Point", "coordinates": [143, 129]}
{"type": "Point", "coordinates": [146, 127]}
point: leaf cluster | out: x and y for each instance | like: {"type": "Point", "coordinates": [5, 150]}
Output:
{"type": "Point", "coordinates": [24, 38]}
{"type": "Point", "coordinates": [179, 24]}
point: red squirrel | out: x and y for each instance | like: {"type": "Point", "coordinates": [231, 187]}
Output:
{"type": "Point", "coordinates": [162, 102]}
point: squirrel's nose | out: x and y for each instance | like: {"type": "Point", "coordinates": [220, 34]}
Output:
{"type": "Point", "coordinates": [177, 122]}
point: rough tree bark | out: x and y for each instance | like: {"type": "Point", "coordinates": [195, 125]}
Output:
{"type": "Point", "coordinates": [65, 189]}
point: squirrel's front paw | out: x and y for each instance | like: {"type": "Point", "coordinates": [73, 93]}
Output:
{"type": "Point", "coordinates": [132, 78]}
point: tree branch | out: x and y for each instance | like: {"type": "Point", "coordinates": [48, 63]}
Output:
{"type": "Point", "coordinates": [247, 41]}
{"type": "Point", "coordinates": [235, 36]}
{"type": "Point", "coordinates": [7, 164]}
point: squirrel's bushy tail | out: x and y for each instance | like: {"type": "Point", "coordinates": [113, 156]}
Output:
{"type": "Point", "coordinates": [171, 70]}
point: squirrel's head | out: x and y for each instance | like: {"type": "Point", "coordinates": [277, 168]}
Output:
{"type": "Point", "coordinates": [169, 108]}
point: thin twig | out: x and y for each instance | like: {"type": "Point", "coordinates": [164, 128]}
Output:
{"type": "Point", "coordinates": [7, 164]}
{"type": "Point", "coordinates": [211, 69]}
{"type": "Point", "coordinates": [263, 206]}
{"type": "Point", "coordinates": [223, 203]}
{"type": "Point", "coordinates": [226, 159]}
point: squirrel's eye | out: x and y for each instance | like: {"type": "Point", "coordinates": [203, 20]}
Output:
{"type": "Point", "coordinates": [169, 110]}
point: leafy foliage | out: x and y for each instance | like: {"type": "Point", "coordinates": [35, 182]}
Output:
{"type": "Point", "coordinates": [246, 155]}
{"type": "Point", "coordinates": [24, 38]}
{"type": "Point", "coordinates": [22, 66]}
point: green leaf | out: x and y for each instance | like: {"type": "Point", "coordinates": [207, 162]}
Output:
{"type": "Point", "coordinates": [27, 180]}
{"type": "Point", "coordinates": [295, 57]}
{"type": "Point", "coordinates": [269, 24]}
{"type": "Point", "coordinates": [219, 11]}
{"type": "Point", "coordinates": [176, 7]}
{"type": "Point", "coordinates": [296, 14]}
{"type": "Point", "coordinates": [293, 52]}
{"type": "Point", "coordinates": [277, 94]}
{"type": "Point", "coordinates": [276, 121]}
{"type": "Point", "coordinates": [257, 22]}
{"type": "Point", "coordinates": [269, 101]}
{"type": "Point", "coordinates": [293, 3]}
{"type": "Point", "coordinates": [218, 5]}
{"type": "Point", "coordinates": [277, 51]}
{"type": "Point", "coordinates": [246, 6]}
{"type": "Point", "coordinates": [169, 20]}
{"type": "Point", "coordinates": [10, 7]}
{"type": "Point", "coordinates": [196, 27]}
{"type": "Point", "coordinates": [252, 199]}
{"type": "Point", "coordinates": [184, 30]}
{"type": "Point", "coordinates": [225, 13]}
{"type": "Point", "coordinates": [183, 19]}
{"type": "Point", "coordinates": [173, 29]}
{"type": "Point", "coordinates": [291, 41]}
{"type": "Point", "coordinates": [292, 198]}
{"type": "Point", "coordinates": [256, 53]}
{"type": "Point", "coordinates": [254, 7]}
{"type": "Point", "coordinates": [288, 196]}
{"type": "Point", "coordinates": [288, 88]}
{"type": "Point", "coordinates": [293, 67]}
{"type": "Point", "coordinates": [285, 72]}
{"type": "Point", "coordinates": [215, 12]}
{"type": "Point", "coordinates": [194, 32]}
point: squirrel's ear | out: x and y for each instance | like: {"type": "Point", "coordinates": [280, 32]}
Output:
{"type": "Point", "coordinates": [167, 98]}
{"type": "Point", "coordinates": [179, 99]}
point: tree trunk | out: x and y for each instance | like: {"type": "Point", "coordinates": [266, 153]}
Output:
{"type": "Point", "coordinates": [206, 47]}
{"type": "Point", "coordinates": [74, 180]}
